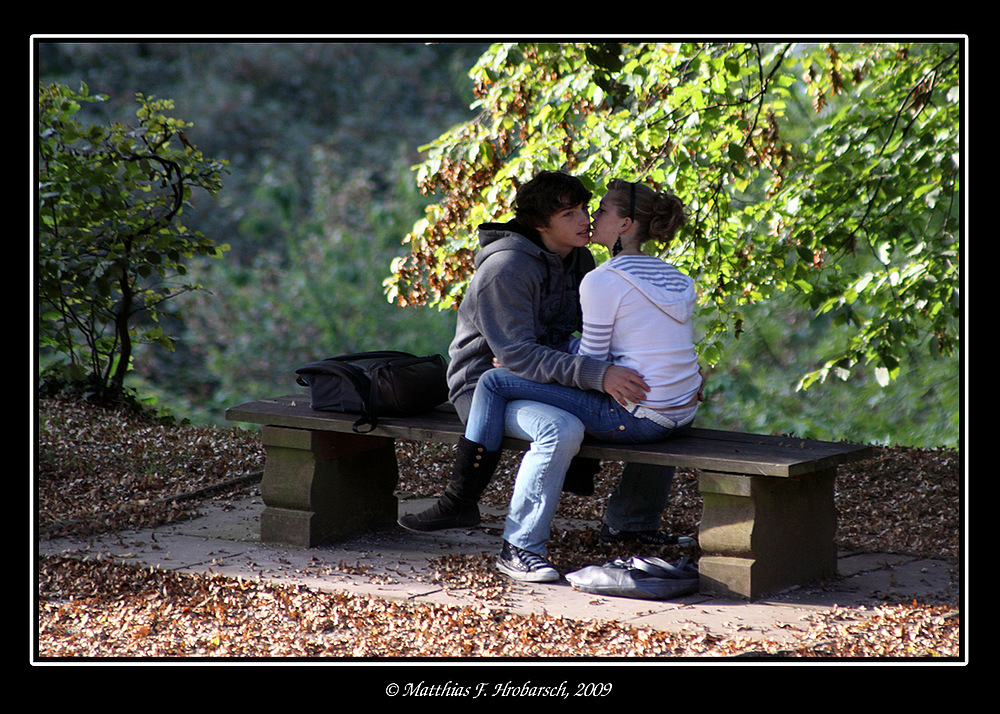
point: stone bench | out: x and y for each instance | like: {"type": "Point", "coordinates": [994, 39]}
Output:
{"type": "Point", "coordinates": [768, 519]}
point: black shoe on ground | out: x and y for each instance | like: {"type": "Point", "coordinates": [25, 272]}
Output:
{"type": "Point", "coordinates": [523, 565]}
{"type": "Point", "coordinates": [613, 535]}
{"type": "Point", "coordinates": [438, 518]}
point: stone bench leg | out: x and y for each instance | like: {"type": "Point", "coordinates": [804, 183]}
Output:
{"type": "Point", "coordinates": [761, 534]}
{"type": "Point", "coordinates": [319, 486]}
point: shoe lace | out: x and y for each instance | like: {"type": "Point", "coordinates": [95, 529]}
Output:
{"type": "Point", "coordinates": [533, 561]}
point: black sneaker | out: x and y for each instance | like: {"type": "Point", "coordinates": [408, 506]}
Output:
{"type": "Point", "coordinates": [613, 535]}
{"type": "Point", "coordinates": [523, 565]}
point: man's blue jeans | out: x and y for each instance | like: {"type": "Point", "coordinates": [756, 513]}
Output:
{"type": "Point", "coordinates": [555, 419]}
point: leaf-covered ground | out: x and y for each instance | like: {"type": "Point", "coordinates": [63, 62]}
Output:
{"type": "Point", "coordinates": [102, 470]}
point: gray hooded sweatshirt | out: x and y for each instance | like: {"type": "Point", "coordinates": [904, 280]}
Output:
{"type": "Point", "coordinates": [522, 307]}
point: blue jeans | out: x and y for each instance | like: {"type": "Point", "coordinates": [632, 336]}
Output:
{"type": "Point", "coordinates": [555, 418]}
{"type": "Point", "coordinates": [555, 437]}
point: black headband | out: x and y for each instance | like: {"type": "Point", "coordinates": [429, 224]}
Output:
{"type": "Point", "coordinates": [631, 209]}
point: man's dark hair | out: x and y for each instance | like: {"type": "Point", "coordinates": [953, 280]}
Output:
{"type": "Point", "coordinates": [546, 194]}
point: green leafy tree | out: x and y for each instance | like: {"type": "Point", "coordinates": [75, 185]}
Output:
{"type": "Point", "coordinates": [828, 173]}
{"type": "Point", "coordinates": [111, 245]}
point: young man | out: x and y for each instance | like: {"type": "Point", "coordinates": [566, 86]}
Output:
{"type": "Point", "coordinates": [522, 308]}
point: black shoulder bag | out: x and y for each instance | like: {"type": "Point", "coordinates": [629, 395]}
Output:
{"type": "Point", "coordinates": [385, 382]}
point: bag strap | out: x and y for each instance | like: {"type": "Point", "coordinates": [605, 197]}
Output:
{"type": "Point", "coordinates": [660, 568]}
{"type": "Point", "coordinates": [369, 407]}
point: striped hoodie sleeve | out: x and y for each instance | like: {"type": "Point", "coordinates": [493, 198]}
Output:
{"type": "Point", "coordinates": [599, 305]}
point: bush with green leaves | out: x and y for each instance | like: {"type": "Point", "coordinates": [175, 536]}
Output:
{"type": "Point", "coordinates": [111, 245]}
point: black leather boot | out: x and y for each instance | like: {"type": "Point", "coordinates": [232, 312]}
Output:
{"type": "Point", "coordinates": [458, 505]}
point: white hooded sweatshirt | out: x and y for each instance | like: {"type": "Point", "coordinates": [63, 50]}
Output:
{"type": "Point", "coordinates": [637, 312]}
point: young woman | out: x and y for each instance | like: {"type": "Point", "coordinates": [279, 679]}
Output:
{"type": "Point", "coordinates": [637, 312]}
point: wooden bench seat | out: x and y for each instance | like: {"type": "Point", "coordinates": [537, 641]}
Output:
{"type": "Point", "coordinates": [768, 519]}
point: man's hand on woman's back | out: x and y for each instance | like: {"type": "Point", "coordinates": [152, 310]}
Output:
{"type": "Point", "coordinates": [625, 384]}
